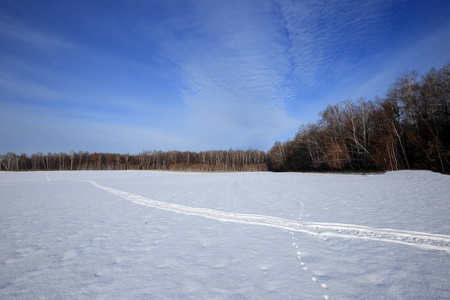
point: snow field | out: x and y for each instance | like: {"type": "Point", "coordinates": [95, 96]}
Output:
{"type": "Point", "coordinates": [213, 235]}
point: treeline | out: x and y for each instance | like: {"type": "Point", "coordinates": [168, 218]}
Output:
{"type": "Point", "coordinates": [408, 129]}
{"type": "Point", "coordinates": [206, 161]}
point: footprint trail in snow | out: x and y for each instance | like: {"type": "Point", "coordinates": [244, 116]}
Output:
{"type": "Point", "coordinates": [299, 257]}
{"type": "Point", "coordinates": [411, 238]}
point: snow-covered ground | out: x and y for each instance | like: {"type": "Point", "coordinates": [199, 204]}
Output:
{"type": "Point", "coordinates": [137, 234]}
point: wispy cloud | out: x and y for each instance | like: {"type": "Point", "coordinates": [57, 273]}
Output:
{"type": "Point", "coordinates": [432, 50]}
{"type": "Point", "coordinates": [23, 88]}
{"type": "Point", "coordinates": [369, 75]}
{"type": "Point", "coordinates": [325, 35]}
{"type": "Point", "coordinates": [19, 31]}
{"type": "Point", "coordinates": [242, 63]}
{"type": "Point", "coordinates": [200, 74]}
{"type": "Point", "coordinates": [234, 70]}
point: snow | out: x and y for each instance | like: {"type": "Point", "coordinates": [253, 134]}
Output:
{"type": "Point", "coordinates": [139, 234]}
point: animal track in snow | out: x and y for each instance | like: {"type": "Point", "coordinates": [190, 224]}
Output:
{"type": "Point", "coordinates": [304, 268]}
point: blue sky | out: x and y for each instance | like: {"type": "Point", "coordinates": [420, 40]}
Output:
{"type": "Point", "coordinates": [128, 76]}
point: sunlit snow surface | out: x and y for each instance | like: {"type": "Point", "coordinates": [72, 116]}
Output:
{"type": "Point", "coordinates": [137, 234]}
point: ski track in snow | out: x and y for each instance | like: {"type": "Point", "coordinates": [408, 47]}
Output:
{"type": "Point", "coordinates": [411, 238]}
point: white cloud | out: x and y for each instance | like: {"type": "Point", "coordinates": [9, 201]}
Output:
{"type": "Point", "coordinates": [242, 63]}
{"type": "Point", "coordinates": [244, 70]}
{"type": "Point", "coordinates": [325, 35]}
{"type": "Point", "coordinates": [234, 71]}
{"type": "Point", "coordinates": [431, 49]}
